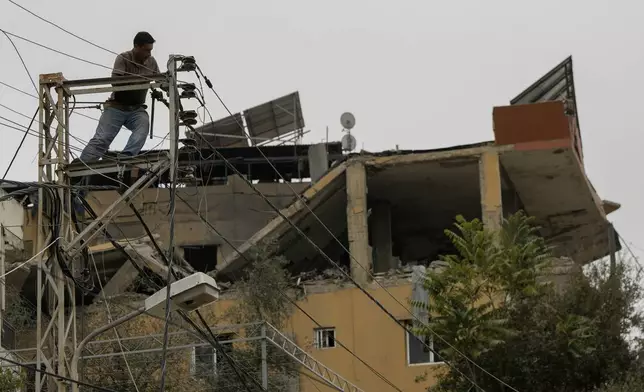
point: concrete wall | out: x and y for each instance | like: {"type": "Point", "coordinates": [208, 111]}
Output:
{"type": "Point", "coordinates": [359, 324]}
{"type": "Point", "coordinates": [12, 216]}
{"type": "Point", "coordinates": [234, 209]}
{"type": "Point", "coordinates": [531, 123]}
{"type": "Point", "coordinates": [369, 332]}
{"type": "Point", "coordinates": [362, 327]}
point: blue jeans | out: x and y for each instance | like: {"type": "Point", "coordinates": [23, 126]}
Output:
{"type": "Point", "coordinates": [109, 126]}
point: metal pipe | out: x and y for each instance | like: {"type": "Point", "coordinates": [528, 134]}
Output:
{"type": "Point", "coordinates": [152, 117]}
{"type": "Point", "coordinates": [98, 90]}
{"type": "Point", "coordinates": [264, 359]}
{"type": "Point", "coordinates": [92, 335]}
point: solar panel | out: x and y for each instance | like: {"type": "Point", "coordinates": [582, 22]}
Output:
{"type": "Point", "coordinates": [224, 132]}
{"type": "Point", "coordinates": [276, 118]}
{"type": "Point", "coordinates": [554, 86]}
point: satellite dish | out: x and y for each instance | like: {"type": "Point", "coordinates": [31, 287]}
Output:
{"type": "Point", "coordinates": [347, 120]}
{"type": "Point", "coordinates": [348, 142]}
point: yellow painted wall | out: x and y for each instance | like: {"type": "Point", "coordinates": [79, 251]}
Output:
{"type": "Point", "coordinates": [366, 330]}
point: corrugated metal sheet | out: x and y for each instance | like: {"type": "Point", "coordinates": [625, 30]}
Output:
{"type": "Point", "coordinates": [276, 118]}
{"type": "Point", "coordinates": [556, 85]}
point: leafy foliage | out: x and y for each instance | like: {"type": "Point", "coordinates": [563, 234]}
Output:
{"type": "Point", "coordinates": [10, 380]}
{"type": "Point", "coordinates": [491, 303]}
{"type": "Point", "coordinates": [258, 297]}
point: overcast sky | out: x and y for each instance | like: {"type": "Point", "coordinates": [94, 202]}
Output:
{"type": "Point", "coordinates": [418, 74]}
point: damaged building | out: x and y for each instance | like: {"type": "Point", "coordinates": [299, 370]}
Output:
{"type": "Point", "coordinates": [376, 215]}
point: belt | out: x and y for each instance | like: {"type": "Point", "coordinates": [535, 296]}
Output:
{"type": "Point", "coordinates": [125, 108]}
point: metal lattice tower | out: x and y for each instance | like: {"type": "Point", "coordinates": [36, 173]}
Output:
{"type": "Point", "coordinates": [54, 337]}
{"type": "Point", "coordinates": [58, 242]}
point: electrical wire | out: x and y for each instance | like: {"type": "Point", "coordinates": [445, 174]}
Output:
{"type": "Point", "coordinates": [374, 369]}
{"type": "Point", "coordinates": [22, 141]}
{"type": "Point", "coordinates": [104, 156]}
{"type": "Point", "coordinates": [18, 90]}
{"type": "Point", "coordinates": [213, 339]}
{"type": "Point", "coordinates": [294, 303]}
{"type": "Point", "coordinates": [36, 97]}
{"type": "Point", "coordinates": [96, 387]}
{"type": "Point", "coordinates": [116, 332]}
{"type": "Point", "coordinates": [333, 262]}
{"type": "Point", "coordinates": [31, 79]}
{"type": "Point", "coordinates": [75, 35]}
{"type": "Point", "coordinates": [31, 258]}
{"type": "Point", "coordinates": [210, 85]}
{"type": "Point", "coordinates": [214, 342]}
{"type": "Point", "coordinates": [71, 55]}
{"type": "Point", "coordinates": [635, 258]}
{"type": "Point", "coordinates": [319, 250]}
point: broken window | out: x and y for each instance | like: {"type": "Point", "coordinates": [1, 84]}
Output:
{"type": "Point", "coordinates": [325, 338]}
{"type": "Point", "coordinates": [202, 258]}
{"type": "Point", "coordinates": [420, 350]}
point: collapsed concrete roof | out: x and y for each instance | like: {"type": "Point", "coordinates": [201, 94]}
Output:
{"type": "Point", "coordinates": [539, 145]}
{"type": "Point", "coordinates": [547, 177]}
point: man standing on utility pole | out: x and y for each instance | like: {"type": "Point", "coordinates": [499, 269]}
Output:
{"type": "Point", "coordinates": [125, 108]}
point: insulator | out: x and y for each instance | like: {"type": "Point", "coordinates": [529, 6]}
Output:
{"type": "Point", "coordinates": [188, 142]}
{"type": "Point", "coordinates": [189, 121]}
{"type": "Point", "coordinates": [187, 86]}
{"type": "Point", "coordinates": [188, 94]}
{"type": "Point", "coordinates": [187, 114]}
{"type": "Point", "coordinates": [188, 64]}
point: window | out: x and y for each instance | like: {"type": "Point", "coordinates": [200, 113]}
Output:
{"type": "Point", "coordinates": [201, 257]}
{"type": "Point", "coordinates": [325, 338]}
{"type": "Point", "coordinates": [205, 362]}
{"type": "Point", "coordinates": [418, 352]}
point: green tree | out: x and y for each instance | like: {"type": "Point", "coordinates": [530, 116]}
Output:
{"type": "Point", "coordinates": [10, 380]}
{"type": "Point", "coordinates": [258, 295]}
{"type": "Point", "coordinates": [491, 304]}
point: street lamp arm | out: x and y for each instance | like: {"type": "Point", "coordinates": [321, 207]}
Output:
{"type": "Point", "coordinates": [93, 334]}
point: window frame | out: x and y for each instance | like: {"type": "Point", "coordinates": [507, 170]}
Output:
{"type": "Point", "coordinates": [430, 342]}
{"type": "Point", "coordinates": [319, 333]}
{"type": "Point", "coordinates": [193, 360]}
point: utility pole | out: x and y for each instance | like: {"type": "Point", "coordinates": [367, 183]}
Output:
{"type": "Point", "coordinates": [59, 333]}
{"type": "Point", "coordinates": [59, 244]}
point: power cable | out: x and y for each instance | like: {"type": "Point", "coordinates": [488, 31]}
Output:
{"type": "Point", "coordinates": [210, 85]}
{"type": "Point", "coordinates": [635, 258]}
{"type": "Point", "coordinates": [70, 55]}
{"type": "Point", "coordinates": [21, 60]}
{"type": "Point", "coordinates": [22, 141]}
{"type": "Point", "coordinates": [31, 79]}
{"type": "Point", "coordinates": [18, 90]}
{"type": "Point", "coordinates": [116, 332]}
{"type": "Point", "coordinates": [333, 262]}
{"type": "Point", "coordinates": [36, 97]}
{"type": "Point", "coordinates": [173, 194]}
{"type": "Point", "coordinates": [319, 250]}
{"type": "Point", "coordinates": [73, 34]}
{"type": "Point", "coordinates": [214, 342]}
{"type": "Point", "coordinates": [213, 339]}
{"type": "Point", "coordinates": [96, 387]}
{"type": "Point", "coordinates": [294, 303]}
{"type": "Point", "coordinates": [82, 142]}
